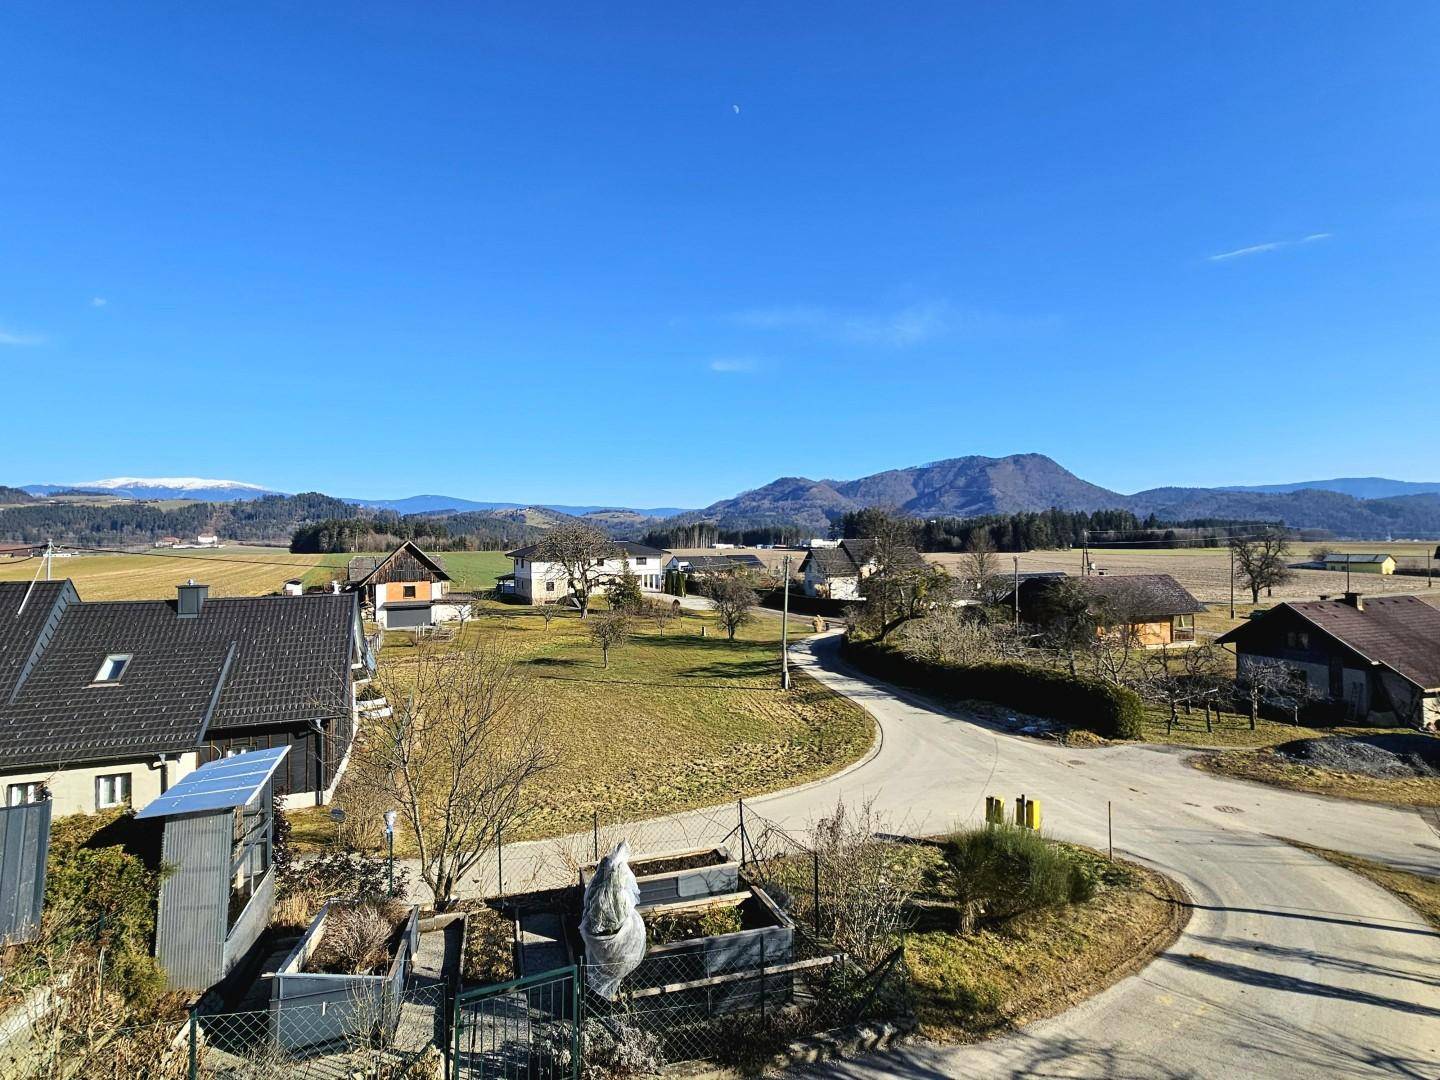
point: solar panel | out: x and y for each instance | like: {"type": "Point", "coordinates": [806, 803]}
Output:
{"type": "Point", "coordinates": [220, 785]}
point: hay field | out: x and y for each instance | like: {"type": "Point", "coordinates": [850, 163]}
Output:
{"type": "Point", "coordinates": [230, 571]}
{"type": "Point", "coordinates": [1206, 571]}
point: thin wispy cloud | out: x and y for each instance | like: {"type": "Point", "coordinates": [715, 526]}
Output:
{"type": "Point", "coordinates": [1274, 245]}
{"type": "Point", "coordinates": [734, 365]}
{"type": "Point", "coordinates": [98, 301]}
{"type": "Point", "coordinates": [903, 327]}
{"type": "Point", "coordinates": [17, 340]}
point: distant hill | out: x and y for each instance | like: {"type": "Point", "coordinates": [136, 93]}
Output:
{"type": "Point", "coordinates": [161, 487]}
{"type": "Point", "coordinates": [955, 487]}
{"type": "Point", "coordinates": [1361, 487]}
{"type": "Point", "coordinates": [12, 496]}
{"type": "Point", "coordinates": [972, 486]}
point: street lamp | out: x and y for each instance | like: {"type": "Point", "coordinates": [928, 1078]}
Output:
{"type": "Point", "coordinates": [390, 841]}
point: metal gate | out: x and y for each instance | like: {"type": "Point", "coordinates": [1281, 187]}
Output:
{"type": "Point", "coordinates": [526, 1029]}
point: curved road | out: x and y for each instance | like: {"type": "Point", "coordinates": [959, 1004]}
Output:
{"type": "Point", "coordinates": [1289, 967]}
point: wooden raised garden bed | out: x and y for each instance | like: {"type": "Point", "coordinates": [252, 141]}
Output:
{"type": "Point", "coordinates": [687, 875]}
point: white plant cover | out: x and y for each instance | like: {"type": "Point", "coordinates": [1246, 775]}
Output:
{"type": "Point", "coordinates": [611, 927]}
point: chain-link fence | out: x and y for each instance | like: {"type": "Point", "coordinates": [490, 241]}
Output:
{"type": "Point", "coordinates": [364, 1035]}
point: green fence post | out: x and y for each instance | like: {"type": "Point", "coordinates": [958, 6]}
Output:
{"type": "Point", "coordinates": [194, 1045]}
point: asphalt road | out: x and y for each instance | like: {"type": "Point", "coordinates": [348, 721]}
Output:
{"type": "Point", "coordinates": [1289, 967]}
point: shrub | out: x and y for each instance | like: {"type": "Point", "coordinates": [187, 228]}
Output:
{"type": "Point", "coordinates": [100, 894]}
{"type": "Point", "coordinates": [1112, 711]}
{"type": "Point", "coordinates": [1002, 871]}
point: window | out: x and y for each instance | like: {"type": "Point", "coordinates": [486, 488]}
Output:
{"type": "Point", "coordinates": [408, 591]}
{"type": "Point", "coordinates": [549, 586]}
{"type": "Point", "coordinates": [112, 668]}
{"type": "Point", "coordinates": [23, 794]}
{"type": "Point", "coordinates": [640, 560]}
{"type": "Point", "coordinates": [1297, 639]}
{"type": "Point", "coordinates": [112, 790]}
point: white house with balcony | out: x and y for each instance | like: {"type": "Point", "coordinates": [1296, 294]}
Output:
{"type": "Point", "coordinates": [535, 581]}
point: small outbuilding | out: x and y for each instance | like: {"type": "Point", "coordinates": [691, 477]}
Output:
{"type": "Point", "coordinates": [219, 835]}
{"type": "Point", "coordinates": [1360, 564]}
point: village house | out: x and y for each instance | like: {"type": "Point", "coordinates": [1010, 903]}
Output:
{"type": "Point", "coordinates": [539, 582]}
{"type": "Point", "coordinates": [715, 564]}
{"type": "Point", "coordinates": [1360, 564]}
{"type": "Point", "coordinates": [110, 703]}
{"type": "Point", "coordinates": [407, 589]}
{"type": "Point", "coordinates": [1377, 657]}
{"type": "Point", "coordinates": [1155, 608]}
{"type": "Point", "coordinates": [835, 573]}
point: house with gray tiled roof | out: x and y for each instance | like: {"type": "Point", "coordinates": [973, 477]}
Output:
{"type": "Point", "coordinates": [103, 704]}
{"type": "Point", "coordinates": [835, 573]}
{"type": "Point", "coordinates": [1377, 657]}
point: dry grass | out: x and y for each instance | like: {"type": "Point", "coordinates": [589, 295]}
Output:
{"type": "Point", "coordinates": [1420, 893]}
{"type": "Point", "coordinates": [1268, 767]}
{"type": "Point", "coordinates": [677, 721]}
{"type": "Point", "coordinates": [229, 572]}
{"type": "Point", "coordinates": [1206, 572]}
{"type": "Point", "coordinates": [1037, 964]}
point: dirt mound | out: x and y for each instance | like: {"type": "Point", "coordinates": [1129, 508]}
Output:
{"type": "Point", "coordinates": [1369, 755]}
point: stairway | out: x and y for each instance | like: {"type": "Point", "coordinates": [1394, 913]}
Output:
{"type": "Point", "coordinates": [375, 708]}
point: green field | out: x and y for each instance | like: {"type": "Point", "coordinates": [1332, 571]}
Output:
{"type": "Point", "coordinates": [676, 721]}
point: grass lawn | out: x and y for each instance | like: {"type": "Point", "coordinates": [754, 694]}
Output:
{"type": "Point", "coordinates": [1421, 893]}
{"type": "Point", "coordinates": [676, 721]}
{"type": "Point", "coordinates": [1268, 767]}
{"type": "Point", "coordinates": [470, 571]}
{"type": "Point", "coordinates": [1038, 963]}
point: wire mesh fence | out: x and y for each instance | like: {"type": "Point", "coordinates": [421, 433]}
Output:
{"type": "Point", "coordinates": [364, 1034]}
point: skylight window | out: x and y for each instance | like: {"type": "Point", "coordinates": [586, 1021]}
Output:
{"type": "Point", "coordinates": [113, 667]}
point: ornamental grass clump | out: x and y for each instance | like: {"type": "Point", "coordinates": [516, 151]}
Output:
{"type": "Point", "coordinates": [1001, 871]}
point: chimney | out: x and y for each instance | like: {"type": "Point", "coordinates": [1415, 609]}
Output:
{"type": "Point", "coordinates": [1355, 600]}
{"type": "Point", "coordinates": [191, 599]}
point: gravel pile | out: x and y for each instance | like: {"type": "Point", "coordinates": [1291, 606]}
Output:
{"type": "Point", "coordinates": [1383, 756]}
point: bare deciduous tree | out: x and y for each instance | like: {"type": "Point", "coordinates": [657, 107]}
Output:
{"type": "Point", "coordinates": [1064, 612]}
{"type": "Point", "coordinates": [1260, 561]}
{"type": "Point", "coordinates": [1180, 678]}
{"type": "Point", "coordinates": [980, 571]}
{"type": "Point", "coordinates": [609, 630]}
{"type": "Point", "coordinates": [464, 739]}
{"type": "Point", "coordinates": [733, 598]}
{"type": "Point", "coordinates": [900, 585]}
{"type": "Point", "coordinates": [580, 550]}
{"type": "Point", "coordinates": [1112, 651]}
{"type": "Point", "coordinates": [1263, 679]}
{"type": "Point", "coordinates": [950, 635]}
{"type": "Point", "coordinates": [548, 612]}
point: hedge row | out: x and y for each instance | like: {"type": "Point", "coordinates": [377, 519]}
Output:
{"type": "Point", "coordinates": [1108, 710]}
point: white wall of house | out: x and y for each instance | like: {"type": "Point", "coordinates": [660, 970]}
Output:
{"type": "Point", "coordinates": [546, 582]}
{"type": "Point", "coordinates": [836, 588]}
{"type": "Point", "coordinates": [74, 789]}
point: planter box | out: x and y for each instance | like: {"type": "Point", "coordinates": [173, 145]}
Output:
{"type": "Point", "coordinates": [309, 1008]}
{"type": "Point", "coordinates": [688, 875]}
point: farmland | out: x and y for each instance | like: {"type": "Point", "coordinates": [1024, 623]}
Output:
{"type": "Point", "coordinates": [230, 571]}
{"type": "Point", "coordinates": [675, 721]}
{"type": "Point", "coordinates": [1206, 571]}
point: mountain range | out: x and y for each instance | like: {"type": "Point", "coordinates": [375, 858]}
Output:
{"type": "Point", "coordinates": [955, 487]}
{"type": "Point", "coordinates": [971, 486]}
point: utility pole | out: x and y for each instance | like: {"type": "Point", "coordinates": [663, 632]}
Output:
{"type": "Point", "coordinates": [1016, 591]}
{"type": "Point", "coordinates": [1428, 556]}
{"type": "Point", "coordinates": [1232, 580]}
{"type": "Point", "coordinates": [785, 629]}
{"type": "Point", "coordinates": [49, 551]}
{"type": "Point", "coordinates": [1085, 561]}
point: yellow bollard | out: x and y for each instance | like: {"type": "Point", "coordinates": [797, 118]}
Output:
{"type": "Point", "coordinates": [1032, 814]}
{"type": "Point", "coordinates": [994, 810]}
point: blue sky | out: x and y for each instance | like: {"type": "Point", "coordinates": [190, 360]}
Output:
{"type": "Point", "coordinates": [657, 254]}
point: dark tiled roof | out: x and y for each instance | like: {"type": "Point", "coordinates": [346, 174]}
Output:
{"type": "Point", "coordinates": [831, 563]}
{"type": "Point", "coordinates": [703, 564]}
{"type": "Point", "coordinates": [1400, 632]}
{"type": "Point", "coordinates": [1141, 595]}
{"type": "Point", "coordinates": [629, 547]}
{"type": "Point", "coordinates": [1355, 560]}
{"type": "Point", "coordinates": [1136, 597]}
{"type": "Point", "coordinates": [24, 614]}
{"type": "Point", "coordinates": [242, 663]}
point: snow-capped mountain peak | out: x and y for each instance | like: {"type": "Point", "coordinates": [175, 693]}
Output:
{"type": "Point", "coordinates": [178, 483]}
